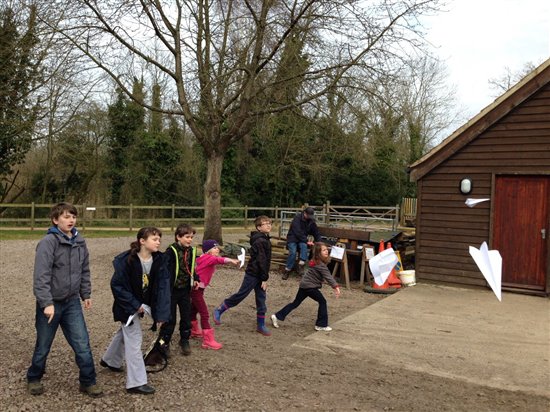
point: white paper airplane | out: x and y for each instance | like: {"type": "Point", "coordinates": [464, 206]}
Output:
{"type": "Point", "coordinates": [472, 202]}
{"type": "Point", "coordinates": [382, 264]}
{"type": "Point", "coordinates": [241, 257]}
{"type": "Point", "coordinates": [489, 263]}
{"type": "Point", "coordinates": [147, 311]}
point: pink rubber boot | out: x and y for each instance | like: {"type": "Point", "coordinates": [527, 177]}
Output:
{"type": "Point", "coordinates": [196, 331]}
{"type": "Point", "coordinates": [208, 341]}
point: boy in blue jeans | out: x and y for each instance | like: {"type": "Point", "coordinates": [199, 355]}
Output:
{"type": "Point", "coordinates": [61, 278]}
{"type": "Point", "coordinates": [255, 276]}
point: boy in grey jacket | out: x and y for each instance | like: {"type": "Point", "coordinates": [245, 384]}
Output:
{"type": "Point", "coordinates": [61, 278]}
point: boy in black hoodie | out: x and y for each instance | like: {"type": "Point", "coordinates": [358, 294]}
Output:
{"type": "Point", "coordinates": [255, 276]}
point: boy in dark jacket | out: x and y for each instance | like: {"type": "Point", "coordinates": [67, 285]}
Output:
{"type": "Point", "coordinates": [302, 226]}
{"type": "Point", "coordinates": [61, 279]}
{"type": "Point", "coordinates": [180, 261]}
{"type": "Point", "coordinates": [255, 276]}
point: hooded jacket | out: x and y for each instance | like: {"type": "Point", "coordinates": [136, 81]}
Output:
{"type": "Point", "coordinates": [126, 285]}
{"type": "Point", "coordinates": [61, 268]}
{"type": "Point", "coordinates": [260, 256]}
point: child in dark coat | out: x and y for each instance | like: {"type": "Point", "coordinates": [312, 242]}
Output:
{"type": "Point", "coordinates": [255, 276]}
{"type": "Point", "coordinates": [180, 262]}
{"type": "Point", "coordinates": [140, 285]}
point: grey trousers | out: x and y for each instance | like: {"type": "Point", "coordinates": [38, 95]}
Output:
{"type": "Point", "coordinates": [127, 344]}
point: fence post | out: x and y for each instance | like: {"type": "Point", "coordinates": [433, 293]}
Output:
{"type": "Point", "coordinates": [276, 213]}
{"type": "Point", "coordinates": [131, 217]}
{"type": "Point", "coordinates": [396, 220]}
{"type": "Point", "coordinates": [84, 216]}
{"type": "Point", "coordinates": [327, 213]}
{"type": "Point", "coordinates": [32, 216]}
{"type": "Point", "coordinates": [245, 216]}
{"type": "Point", "coordinates": [173, 224]}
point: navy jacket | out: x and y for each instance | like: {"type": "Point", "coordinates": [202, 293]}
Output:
{"type": "Point", "coordinates": [301, 228]}
{"type": "Point", "coordinates": [126, 285]}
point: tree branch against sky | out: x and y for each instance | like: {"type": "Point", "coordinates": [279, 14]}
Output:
{"type": "Point", "coordinates": [224, 57]}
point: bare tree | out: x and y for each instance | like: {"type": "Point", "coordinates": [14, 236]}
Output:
{"type": "Point", "coordinates": [509, 78]}
{"type": "Point", "coordinates": [225, 58]}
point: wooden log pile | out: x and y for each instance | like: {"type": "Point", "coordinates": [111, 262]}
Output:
{"type": "Point", "coordinates": [279, 252]}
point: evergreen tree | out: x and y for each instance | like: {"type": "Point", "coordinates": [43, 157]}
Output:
{"type": "Point", "coordinates": [19, 72]}
{"type": "Point", "coordinates": [126, 120]}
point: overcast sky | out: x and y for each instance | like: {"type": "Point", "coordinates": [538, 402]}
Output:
{"type": "Point", "coordinates": [479, 39]}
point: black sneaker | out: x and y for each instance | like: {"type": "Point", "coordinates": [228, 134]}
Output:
{"type": "Point", "coordinates": [286, 274]}
{"type": "Point", "coordinates": [142, 390]}
{"type": "Point", "coordinates": [111, 368]}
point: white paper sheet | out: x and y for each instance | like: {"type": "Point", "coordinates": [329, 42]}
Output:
{"type": "Point", "coordinates": [241, 257]}
{"type": "Point", "coordinates": [489, 263]}
{"type": "Point", "coordinates": [147, 310]}
{"type": "Point", "coordinates": [369, 252]}
{"type": "Point", "coordinates": [337, 252]}
{"type": "Point", "coordinates": [472, 202]}
{"type": "Point", "coordinates": [382, 264]}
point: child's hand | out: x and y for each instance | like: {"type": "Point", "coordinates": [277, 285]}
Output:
{"type": "Point", "coordinates": [49, 312]}
{"type": "Point", "coordinates": [235, 262]}
{"type": "Point", "coordinates": [87, 303]}
{"type": "Point", "coordinates": [337, 292]}
{"type": "Point", "coordinates": [264, 285]}
{"type": "Point", "coordinates": [196, 284]}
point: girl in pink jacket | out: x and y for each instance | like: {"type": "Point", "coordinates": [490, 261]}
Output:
{"type": "Point", "coordinates": [205, 267]}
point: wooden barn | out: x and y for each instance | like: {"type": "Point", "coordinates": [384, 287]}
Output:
{"type": "Point", "coordinates": [503, 155]}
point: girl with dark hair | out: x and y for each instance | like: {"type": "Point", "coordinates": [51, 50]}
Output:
{"type": "Point", "coordinates": [140, 284]}
{"type": "Point", "coordinates": [310, 286]}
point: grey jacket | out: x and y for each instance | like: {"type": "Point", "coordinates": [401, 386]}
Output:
{"type": "Point", "coordinates": [314, 276]}
{"type": "Point", "coordinates": [61, 270]}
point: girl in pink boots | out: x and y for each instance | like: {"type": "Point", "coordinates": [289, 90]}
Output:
{"type": "Point", "coordinates": [205, 267]}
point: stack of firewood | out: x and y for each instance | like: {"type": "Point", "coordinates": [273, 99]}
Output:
{"type": "Point", "coordinates": [279, 252]}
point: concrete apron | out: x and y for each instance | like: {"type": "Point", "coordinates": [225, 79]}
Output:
{"type": "Point", "coordinates": [464, 334]}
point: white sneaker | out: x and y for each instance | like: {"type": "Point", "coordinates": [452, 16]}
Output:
{"type": "Point", "coordinates": [323, 328]}
{"type": "Point", "coordinates": [301, 263]}
{"type": "Point", "coordinates": [275, 321]}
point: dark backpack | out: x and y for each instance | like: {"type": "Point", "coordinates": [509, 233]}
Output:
{"type": "Point", "coordinates": [156, 357]}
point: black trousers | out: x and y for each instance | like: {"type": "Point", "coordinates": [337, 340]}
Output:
{"type": "Point", "coordinates": [181, 298]}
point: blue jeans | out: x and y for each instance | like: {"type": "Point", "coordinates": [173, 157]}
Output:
{"type": "Point", "coordinates": [292, 247]}
{"type": "Point", "coordinates": [316, 295]}
{"type": "Point", "coordinates": [249, 283]}
{"type": "Point", "coordinates": [69, 316]}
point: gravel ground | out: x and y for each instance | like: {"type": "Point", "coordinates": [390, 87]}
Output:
{"type": "Point", "coordinates": [251, 372]}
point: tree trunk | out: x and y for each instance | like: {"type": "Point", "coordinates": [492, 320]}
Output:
{"type": "Point", "coordinates": [212, 198]}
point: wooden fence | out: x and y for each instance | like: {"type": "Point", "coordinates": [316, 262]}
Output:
{"type": "Point", "coordinates": [35, 215]}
